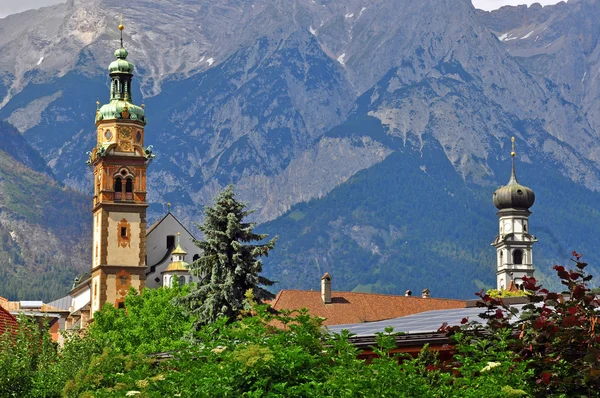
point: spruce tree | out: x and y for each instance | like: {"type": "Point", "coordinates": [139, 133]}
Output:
{"type": "Point", "coordinates": [229, 264]}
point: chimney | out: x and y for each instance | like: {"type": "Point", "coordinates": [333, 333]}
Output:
{"type": "Point", "coordinates": [425, 293]}
{"type": "Point", "coordinates": [408, 293]}
{"type": "Point", "coordinates": [326, 288]}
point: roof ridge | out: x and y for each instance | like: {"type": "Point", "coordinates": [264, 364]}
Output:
{"type": "Point", "coordinates": [156, 224]}
{"type": "Point", "coordinates": [277, 297]}
{"type": "Point", "coordinates": [376, 294]}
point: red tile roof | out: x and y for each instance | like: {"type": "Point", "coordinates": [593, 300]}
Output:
{"type": "Point", "coordinates": [349, 307]}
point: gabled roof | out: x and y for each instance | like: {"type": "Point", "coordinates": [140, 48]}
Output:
{"type": "Point", "coordinates": [63, 303]}
{"type": "Point", "coordinates": [351, 308]}
{"type": "Point", "coordinates": [169, 214]}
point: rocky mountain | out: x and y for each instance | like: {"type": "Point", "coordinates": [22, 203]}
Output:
{"type": "Point", "coordinates": [558, 44]}
{"type": "Point", "coordinates": [334, 121]}
{"type": "Point", "coordinates": [44, 227]}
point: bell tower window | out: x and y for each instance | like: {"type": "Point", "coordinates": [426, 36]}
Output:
{"type": "Point", "coordinates": [118, 188]}
{"type": "Point", "coordinates": [129, 189]}
{"type": "Point", "coordinates": [518, 256]}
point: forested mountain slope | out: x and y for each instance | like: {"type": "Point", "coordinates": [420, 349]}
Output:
{"type": "Point", "coordinates": [45, 229]}
{"type": "Point", "coordinates": [293, 101]}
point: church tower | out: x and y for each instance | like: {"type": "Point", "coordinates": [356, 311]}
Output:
{"type": "Point", "coordinates": [514, 243]}
{"type": "Point", "coordinates": [119, 163]}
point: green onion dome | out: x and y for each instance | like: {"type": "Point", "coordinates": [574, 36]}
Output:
{"type": "Point", "coordinates": [119, 109]}
{"type": "Point", "coordinates": [121, 65]}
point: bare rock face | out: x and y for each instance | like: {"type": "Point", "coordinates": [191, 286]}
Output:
{"type": "Point", "coordinates": [559, 45]}
{"type": "Point", "coordinates": [291, 99]}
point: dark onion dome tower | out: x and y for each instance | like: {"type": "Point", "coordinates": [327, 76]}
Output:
{"type": "Point", "coordinates": [119, 163]}
{"type": "Point", "coordinates": [514, 243]}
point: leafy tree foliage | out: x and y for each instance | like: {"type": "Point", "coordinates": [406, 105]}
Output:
{"type": "Point", "coordinates": [31, 364]}
{"type": "Point", "coordinates": [548, 348]}
{"type": "Point", "coordinates": [149, 323]}
{"type": "Point", "coordinates": [559, 333]}
{"type": "Point", "coordinates": [230, 263]}
{"type": "Point", "coordinates": [252, 358]}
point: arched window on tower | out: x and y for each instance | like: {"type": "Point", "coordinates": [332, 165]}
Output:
{"type": "Point", "coordinates": [518, 256]}
{"type": "Point", "coordinates": [129, 189]}
{"type": "Point", "coordinates": [118, 189]}
{"type": "Point", "coordinates": [181, 280]}
{"type": "Point", "coordinates": [196, 257]}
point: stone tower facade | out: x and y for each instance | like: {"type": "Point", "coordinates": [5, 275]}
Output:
{"type": "Point", "coordinates": [119, 163]}
{"type": "Point", "coordinates": [514, 243]}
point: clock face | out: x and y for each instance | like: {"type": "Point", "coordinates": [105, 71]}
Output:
{"type": "Point", "coordinates": [125, 132]}
{"type": "Point", "coordinates": [507, 227]}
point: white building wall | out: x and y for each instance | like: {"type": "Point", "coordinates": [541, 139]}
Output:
{"type": "Point", "coordinates": [156, 248]}
{"type": "Point", "coordinates": [81, 299]}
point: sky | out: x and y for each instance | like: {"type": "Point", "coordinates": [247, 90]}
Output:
{"type": "Point", "coordinates": [489, 5]}
{"type": "Point", "coordinates": [8, 7]}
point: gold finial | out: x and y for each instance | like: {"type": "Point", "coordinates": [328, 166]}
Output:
{"type": "Point", "coordinates": [169, 207]}
{"type": "Point", "coordinates": [513, 153]}
{"type": "Point", "coordinates": [97, 105]}
{"type": "Point", "coordinates": [143, 106]}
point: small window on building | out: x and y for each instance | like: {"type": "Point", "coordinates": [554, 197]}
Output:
{"type": "Point", "coordinates": [121, 304]}
{"type": "Point", "coordinates": [196, 257]}
{"type": "Point", "coordinates": [123, 232]}
{"type": "Point", "coordinates": [129, 185]}
{"type": "Point", "coordinates": [525, 227]}
{"type": "Point", "coordinates": [518, 256]}
{"type": "Point", "coordinates": [181, 280]}
{"type": "Point", "coordinates": [170, 241]}
{"type": "Point", "coordinates": [118, 184]}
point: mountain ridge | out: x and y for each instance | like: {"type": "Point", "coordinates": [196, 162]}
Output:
{"type": "Point", "coordinates": [293, 101]}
